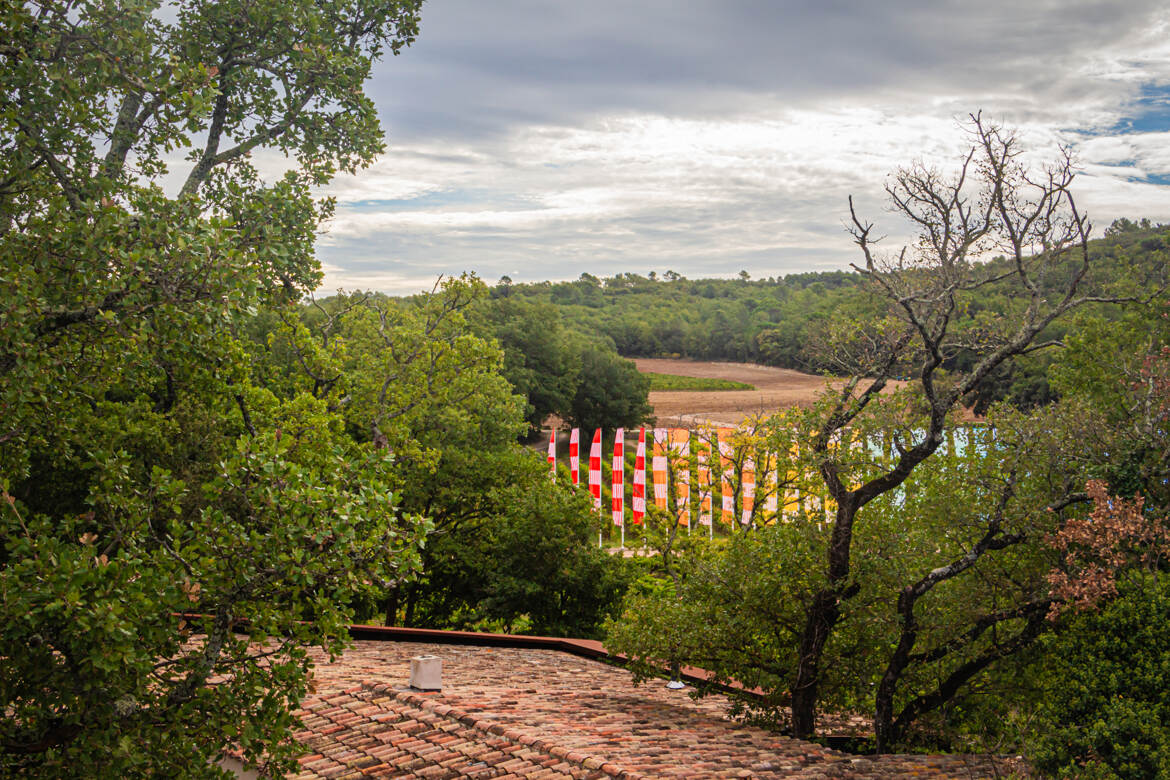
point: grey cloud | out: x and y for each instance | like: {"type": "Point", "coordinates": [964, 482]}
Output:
{"type": "Point", "coordinates": [478, 67]}
{"type": "Point", "coordinates": [521, 104]}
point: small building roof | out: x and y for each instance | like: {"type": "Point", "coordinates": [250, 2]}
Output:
{"type": "Point", "coordinates": [512, 712]}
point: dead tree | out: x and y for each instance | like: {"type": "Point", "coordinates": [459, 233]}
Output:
{"type": "Point", "coordinates": [993, 205]}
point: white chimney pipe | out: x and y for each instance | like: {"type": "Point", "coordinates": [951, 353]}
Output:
{"type": "Point", "coordinates": [426, 673]}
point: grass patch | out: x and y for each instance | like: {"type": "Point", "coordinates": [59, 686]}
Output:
{"type": "Point", "coordinates": [676, 382]}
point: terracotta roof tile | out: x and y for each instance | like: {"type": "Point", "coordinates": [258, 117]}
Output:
{"type": "Point", "coordinates": [537, 714]}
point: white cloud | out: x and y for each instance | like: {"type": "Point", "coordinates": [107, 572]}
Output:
{"type": "Point", "coordinates": [723, 146]}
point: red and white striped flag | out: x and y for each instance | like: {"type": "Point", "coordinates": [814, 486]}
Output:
{"type": "Point", "coordinates": [640, 478]}
{"type": "Point", "coordinates": [618, 478]}
{"type": "Point", "coordinates": [552, 454]}
{"type": "Point", "coordinates": [658, 466]}
{"type": "Point", "coordinates": [595, 470]}
{"type": "Point", "coordinates": [574, 457]}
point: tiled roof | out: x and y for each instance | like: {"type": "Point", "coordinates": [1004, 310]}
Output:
{"type": "Point", "coordinates": [536, 713]}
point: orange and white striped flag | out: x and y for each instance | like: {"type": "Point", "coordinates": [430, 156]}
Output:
{"type": "Point", "coordinates": [727, 470]}
{"type": "Point", "coordinates": [703, 481]}
{"type": "Point", "coordinates": [659, 468]}
{"type": "Point", "coordinates": [748, 481]}
{"type": "Point", "coordinates": [680, 443]}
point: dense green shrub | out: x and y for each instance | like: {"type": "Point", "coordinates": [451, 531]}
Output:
{"type": "Point", "coordinates": [1106, 679]}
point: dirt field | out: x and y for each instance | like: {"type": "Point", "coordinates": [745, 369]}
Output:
{"type": "Point", "coordinates": [776, 388]}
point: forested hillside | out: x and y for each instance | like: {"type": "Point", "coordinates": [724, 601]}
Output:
{"type": "Point", "coordinates": [786, 321]}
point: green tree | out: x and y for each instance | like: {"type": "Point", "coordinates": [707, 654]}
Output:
{"type": "Point", "coordinates": [146, 470]}
{"type": "Point", "coordinates": [991, 202]}
{"type": "Point", "coordinates": [540, 360]}
{"type": "Point", "coordinates": [912, 653]}
{"type": "Point", "coordinates": [509, 548]}
{"type": "Point", "coordinates": [1124, 399]}
{"type": "Point", "coordinates": [1100, 704]}
{"type": "Point", "coordinates": [1103, 703]}
{"type": "Point", "coordinates": [610, 393]}
{"type": "Point", "coordinates": [969, 586]}
{"type": "Point", "coordinates": [515, 551]}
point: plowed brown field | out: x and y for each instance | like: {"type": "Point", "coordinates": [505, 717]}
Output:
{"type": "Point", "coordinates": [776, 388]}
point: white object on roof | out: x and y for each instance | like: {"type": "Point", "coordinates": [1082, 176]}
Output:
{"type": "Point", "coordinates": [426, 673]}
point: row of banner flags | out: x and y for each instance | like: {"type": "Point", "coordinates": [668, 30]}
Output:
{"type": "Point", "coordinates": [675, 441]}
{"type": "Point", "coordinates": [671, 461]}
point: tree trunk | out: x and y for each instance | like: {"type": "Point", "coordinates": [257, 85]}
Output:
{"type": "Point", "coordinates": [883, 717]}
{"type": "Point", "coordinates": [411, 600]}
{"type": "Point", "coordinates": [822, 616]}
{"type": "Point", "coordinates": [885, 731]}
{"type": "Point", "coordinates": [392, 606]}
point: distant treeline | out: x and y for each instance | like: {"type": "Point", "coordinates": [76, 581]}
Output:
{"type": "Point", "coordinates": [789, 321]}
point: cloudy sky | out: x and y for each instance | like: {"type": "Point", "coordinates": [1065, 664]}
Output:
{"type": "Point", "coordinates": [541, 139]}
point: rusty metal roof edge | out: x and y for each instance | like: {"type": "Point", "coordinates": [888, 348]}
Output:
{"type": "Point", "coordinates": [587, 648]}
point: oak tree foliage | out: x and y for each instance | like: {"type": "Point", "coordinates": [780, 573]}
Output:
{"type": "Point", "coordinates": [147, 466]}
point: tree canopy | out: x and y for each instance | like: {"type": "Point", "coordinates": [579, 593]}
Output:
{"type": "Point", "coordinates": [148, 469]}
